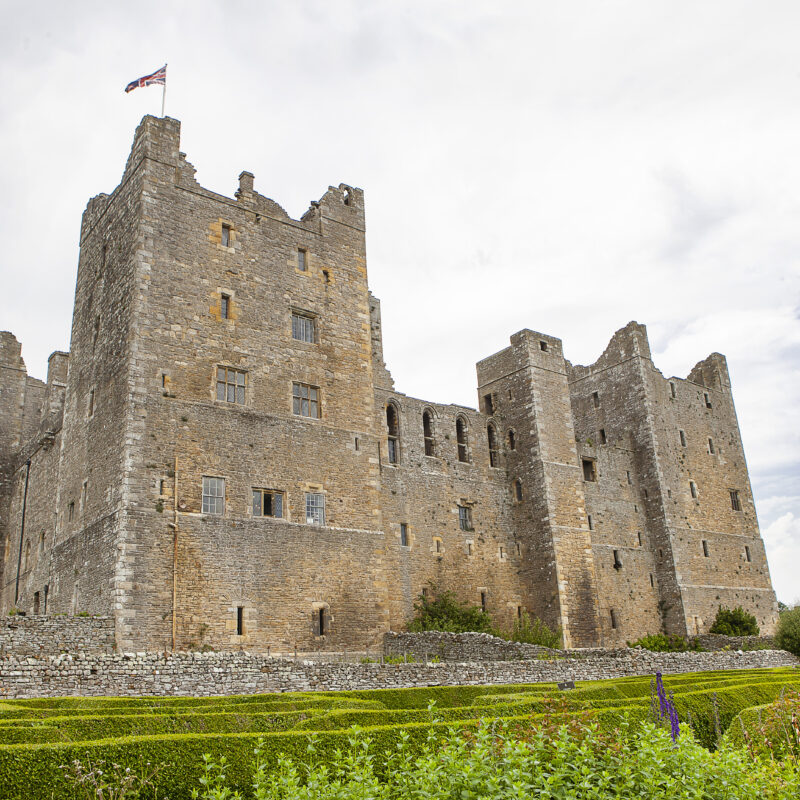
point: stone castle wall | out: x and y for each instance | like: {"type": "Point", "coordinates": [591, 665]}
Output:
{"type": "Point", "coordinates": [47, 636]}
{"type": "Point", "coordinates": [176, 282]}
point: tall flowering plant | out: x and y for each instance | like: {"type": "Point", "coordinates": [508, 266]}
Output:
{"type": "Point", "coordinates": [666, 708]}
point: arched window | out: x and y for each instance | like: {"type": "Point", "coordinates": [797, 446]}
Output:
{"type": "Point", "coordinates": [491, 434]}
{"type": "Point", "coordinates": [512, 440]}
{"type": "Point", "coordinates": [518, 490]}
{"type": "Point", "coordinates": [461, 439]}
{"type": "Point", "coordinates": [393, 425]}
{"type": "Point", "coordinates": [427, 432]}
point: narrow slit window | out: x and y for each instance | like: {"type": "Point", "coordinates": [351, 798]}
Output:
{"type": "Point", "coordinates": [469, 548]}
{"type": "Point", "coordinates": [225, 306]}
{"type": "Point", "coordinates": [652, 581]}
{"type": "Point", "coordinates": [488, 405]}
{"type": "Point", "coordinates": [438, 545]}
{"type": "Point", "coordinates": [591, 522]}
{"type": "Point", "coordinates": [393, 426]}
{"type": "Point", "coordinates": [427, 433]}
{"type": "Point", "coordinates": [483, 602]}
{"type": "Point", "coordinates": [240, 620]}
{"type": "Point", "coordinates": [518, 490]}
{"type": "Point", "coordinates": [693, 489]}
{"type": "Point", "coordinates": [91, 403]}
{"type": "Point", "coordinates": [596, 399]}
{"type": "Point", "coordinates": [512, 440]}
{"type": "Point", "coordinates": [602, 436]}
{"type": "Point", "coordinates": [747, 553]}
{"type": "Point", "coordinates": [628, 475]}
{"type": "Point", "coordinates": [683, 438]}
{"type": "Point", "coordinates": [736, 504]}
{"type": "Point", "coordinates": [302, 259]}
{"type": "Point", "coordinates": [494, 456]}
{"type": "Point", "coordinates": [707, 400]}
{"type": "Point", "coordinates": [225, 241]}
{"type": "Point", "coordinates": [672, 390]}
{"type": "Point", "coordinates": [462, 441]}
{"type": "Point", "coordinates": [705, 548]}
{"type": "Point", "coordinates": [711, 446]}
{"type": "Point", "coordinates": [403, 534]}
{"type": "Point", "coordinates": [639, 537]}
{"type": "Point", "coordinates": [617, 560]}
{"type": "Point", "coordinates": [614, 621]}
{"type": "Point", "coordinates": [323, 623]}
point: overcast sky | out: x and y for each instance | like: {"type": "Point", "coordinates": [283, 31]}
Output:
{"type": "Point", "coordinates": [565, 167]}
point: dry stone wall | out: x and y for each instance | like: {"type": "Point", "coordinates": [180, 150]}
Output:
{"type": "Point", "coordinates": [45, 636]}
{"type": "Point", "coordinates": [205, 674]}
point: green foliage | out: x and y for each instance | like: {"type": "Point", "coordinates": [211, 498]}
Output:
{"type": "Point", "coordinates": [771, 730]}
{"type": "Point", "coordinates": [788, 634]}
{"type": "Point", "coordinates": [443, 611]}
{"type": "Point", "coordinates": [734, 622]}
{"type": "Point", "coordinates": [532, 630]}
{"type": "Point", "coordinates": [666, 643]}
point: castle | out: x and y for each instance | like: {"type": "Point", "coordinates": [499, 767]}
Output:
{"type": "Point", "coordinates": [222, 458]}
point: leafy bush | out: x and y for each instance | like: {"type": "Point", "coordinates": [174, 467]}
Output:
{"type": "Point", "coordinates": [531, 630]}
{"type": "Point", "coordinates": [771, 730]}
{"type": "Point", "coordinates": [734, 622]}
{"type": "Point", "coordinates": [788, 635]}
{"type": "Point", "coordinates": [443, 611]}
{"type": "Point", "coordinates": [666, 643]}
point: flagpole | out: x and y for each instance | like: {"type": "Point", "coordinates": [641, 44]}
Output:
{"type": "Point", "coordinates": [164, 92]}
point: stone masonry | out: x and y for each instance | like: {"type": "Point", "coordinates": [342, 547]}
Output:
{"type": "Point", "coordinates": [222, 458]}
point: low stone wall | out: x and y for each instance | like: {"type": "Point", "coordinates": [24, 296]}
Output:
{"type": "Point", "coordinates": [715, 641]}
{"type": "Point", "coordinates": [51, 635]}
{"type": "Point", "coordinates": [204, 674]}
{"type": "Point", "coordinates": [459, 647]}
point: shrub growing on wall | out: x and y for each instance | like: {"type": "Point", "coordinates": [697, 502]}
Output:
{"type": "Point", "coordinates": [788, 635]}
{"type": "Point", "coordinates": [734, 622]}
{"type": "Point", "coordinates": [443, 611]}
{"type": "Point", "coordinates": [531, 630]}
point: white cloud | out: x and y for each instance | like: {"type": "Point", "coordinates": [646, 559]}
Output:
{"type": "Point", "coordinates": [782, 540]}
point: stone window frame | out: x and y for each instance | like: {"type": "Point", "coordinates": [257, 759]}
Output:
{"type": "Point", "coordinates": [211, 492]}
{"type": "Point", "coordinates": [736, 500]}
{"type": "Point", "coordinates": [316, 401]}
{"type": "Point", "coordinates": [321, 619]}
{"type": "Point", "coordinates": [305, 268]}
{"type": "Point", "coordinates": [393, 450]}
{"type": "Point", "coordinates": [465, 522]}
{"type": "Point", "coordinates": [405, 535]}
{"type": "Point", "coordinates": [590, 475]}
{"type": "Point", "coordinates": [314, 501]}
{"type": "Point", "coordinates": [437, 545]}
{"type": "Point", "coordinates": [462, 440]}
{"type": "Point", "coordinates": [303, 317]}
{"type": "Point", "coordinates": [227, 384]}
{"type": "Point", "coordinates": [90, 405]}
{"type": "Point", "coordinates": [429, 432]}
{"type": "Point", "coordinates": [274, 494]}
{"type": "Point", "coordinates": [226, 235]}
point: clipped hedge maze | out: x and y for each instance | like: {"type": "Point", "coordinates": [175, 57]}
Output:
{"type": "Point", "coordinates": [37, 737]}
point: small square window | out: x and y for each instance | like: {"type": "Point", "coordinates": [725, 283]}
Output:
{"type": "Point", "coordinates": [267, 503]}
{"type": "Point", "coordinates": [315, 508]}
{"type": "Point", "coordinates": [543, 346]}
{"type": "Point", "coordinates": [225, 306]}
{"type": "Point", "coordinates": [231, 385]}
{"type": "Point", "coordinates": [736, 504]}
{"type": "Point", "coordinates": [213, 495]}
{"type": "Point", "coordinates": [589, 473]}
{"type": "Point", "coordinates": [465, 518]}
{"type": "Point", "coordinates": [225, 241]}
{"type": "Point", "coordinates": [305, 400]}
{"type": "Point", "coordinates": [304, 328]}
{"type": "Point", "coordinates": [302, 259]}
{"type": "Point", "coordinates": [403, 534]}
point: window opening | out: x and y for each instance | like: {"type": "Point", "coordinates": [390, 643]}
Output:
{"type": "Point", "coordinates": [519, 612]}
{"type": "Point", "coordinates": [602, 433]}
{"type": "Point", "coordinates": [303, 328]}
{"type": "Point", "coordinates": [213, 495]}
{"type": "Point", "coordinates": [628, 475]}
{"type": "Point", "coordinates": [91, 403]}
{"type": "Point", "coordinates": [322, 622]}
{"type": "Point", "coordinates": [707, 399]}
{"type": "Point", "coordinates": [305, 400]}
{"type": "Point", "coordinates": [488, 404]}
{"type": "Point", "coordinates": [711, 446]}
{"type": "Point", "coordinates": [483, 602]}
{"type": "Point", "coordinates": [596, 399]}
{"type": "Point", "coordinates": [617, 560]}
{"type": "Point", "coordinates": [163, 380]}
{"type": "Point", "coordinates": [519, 549]}
{"type": "Point", "coordinates": [225, 306]}
{"type": "Point", "coordinates": [672, 389]}
{"type": "Point", "coordinates": [502, 552]}
{"type": "Point", "coordinates": [36, 603]}
{"type": "Point", "coordinates": [747, 553]}
{"type": "Point", "coordinates": [469, 548]}
{"type": "Point", "coordinates": [393, 426]}
{"type": "Point", "coordinates": [591, 522]}
{"type": "Point", "coordinates": [652, 581]}
{"type": "Point", "coordinates": [438, 543]}
{"type": "Point", "coordinates": [239, 620]}
{"type": "Point", "coordinates": [705, 548]}
{"type": "Point", "coordinates": [465, 518]}
{"type": "Point", "coordinates": [71, 511]}
{"type": "Point", "coordinates": [693, 489]}
{"type": "Point", "coordinates": [226, 235]}
{"type": "Point", "coordinates": [736, 504]}
{"type": "Point", "coordinates": [461, 440]}
{"type": "Point", "coordinates": [613, 618]}
{"type": "Point", "coordinates": [357, 444]}
{"type": "Point", "coordinates": [512, 440]}
{"type": "Point", "coordinates": [403, 534]}
{"type": "Point", "coordinates": [639, 537]}
{"type": "Point", "coordinates": [427, 432]}
{"type": "Point", "coordinates": [518, 490]}
{"type": "Point", "coordinates": [543, 346]}
{"type": "Point", "coordinates": [231, 385]}
{"type": "Point", "coordinates": [589, 473]}
{"type": "Point", "coordinates": [683, 438]}
{"type": "Point", "coordinates": [267, 503]}
{"type": "Point", "coordinates": [302, 261]}
{"type": "Point", "coordinates": [315, 508]}
{"type": "Point", "coordinates": [161, 486]}
{"type": "Point", "coordinates": [494, 458]}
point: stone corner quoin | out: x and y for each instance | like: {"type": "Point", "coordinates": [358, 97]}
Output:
{"type": "Point", "coordinates": [222, 458]}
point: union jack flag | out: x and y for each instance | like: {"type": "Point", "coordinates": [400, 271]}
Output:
{"type": "Point", "coordinates": [159, 76]}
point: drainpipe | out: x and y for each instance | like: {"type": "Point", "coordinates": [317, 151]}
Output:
{"type": "Point", "coordinates": [22, 528]}
{"type": "Point", "coordinates": [174, 527]}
